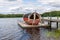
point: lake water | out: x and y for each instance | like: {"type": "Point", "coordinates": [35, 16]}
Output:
{"type": "Point", "coordinates": [10, 30]}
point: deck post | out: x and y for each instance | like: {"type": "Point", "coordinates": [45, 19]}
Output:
{"type": "Point", "coordinates": [42, 20]}
{"type": "Point", "coordinates": [57, 25]}
{"type": "Point", "coordinates": [57, 21]}
{"type": "Point", "coordinates": [49, 23]}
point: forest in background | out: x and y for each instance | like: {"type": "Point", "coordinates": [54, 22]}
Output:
{"type": "Point", "coordinates": [51, 14]}
{"type": "Point", "coordinates": [10, 15]}
{"type": "Point", "coordinates": [46, 14]}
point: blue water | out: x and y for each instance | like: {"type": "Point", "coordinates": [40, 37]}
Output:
{"type": "Point", "coordinates": [10, 30]}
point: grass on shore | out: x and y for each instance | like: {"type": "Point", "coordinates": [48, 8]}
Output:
{"type": "Point", "coordinates": [55, 34]}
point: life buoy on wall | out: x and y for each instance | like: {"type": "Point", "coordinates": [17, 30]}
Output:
{"type": "Point", "coordinates": [32, 19]}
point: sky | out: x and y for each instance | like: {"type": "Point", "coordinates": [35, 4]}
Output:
{"type": "Point", "coordinates": [39, 5]}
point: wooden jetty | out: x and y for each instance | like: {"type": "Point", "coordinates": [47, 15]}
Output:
{"type": "Point", "coordinates": [53, 20]}
{"type": "Point", "coordinates": [50, 22]}
{"type": "Point", "coordinates": [40, 25]}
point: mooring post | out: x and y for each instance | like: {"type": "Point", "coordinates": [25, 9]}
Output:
{"type": "Point", "coordinates": [34, 33]}
{"type": "Point", "coordinates": [57, 25]}
{"type": "Point", "coordinates": [42, 21]}
{"type": "Point", "coordinates": [49, 23]}
{"type": "Point", "coordinates": [57, 21]}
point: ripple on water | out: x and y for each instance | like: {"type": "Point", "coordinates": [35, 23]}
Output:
{"type": "Point", "coordinates": [9, 30]}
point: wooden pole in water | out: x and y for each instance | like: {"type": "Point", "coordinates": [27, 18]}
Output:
{"type": "Point", "coordinates": [42, 20]}
{"type": "Point", "coordinates": [57, 19]}
{"type": "Point", "coordinates": [34, 32]}
{"type": "Point", "coordinates": [57, 25]}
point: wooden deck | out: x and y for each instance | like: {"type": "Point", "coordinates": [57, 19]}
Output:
{"type": "Point", "coordinates": [40, 25]}
{"type": "Point", "coordinates": [50, 22]}
{"type": "Point", "coordinates": [53, 20]}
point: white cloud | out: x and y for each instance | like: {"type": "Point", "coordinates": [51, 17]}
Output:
{"type": "Point", "coordinates": [6, 5]}
{"type": "Point", "coordinates": [42, 5]}
{"type": "Point", "coordinates": [50, 2]}
{"type": "Point", "coordinates": [50, 5]}
{"type": "Point", "coordinates": [13, 8]}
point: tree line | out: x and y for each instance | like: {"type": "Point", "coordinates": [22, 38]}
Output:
{"type": "Point", "coordinates": [10, 15]}
{"type": "Point", "coordinates": [46, 14]}
{"type": "Point", "coordinates": [51, 14]}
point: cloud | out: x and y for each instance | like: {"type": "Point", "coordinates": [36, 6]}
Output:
{"type": "Point", "coordinates": [50, 5]}
{"type": "Point", "coordinates": [54, 3]}
{"type": "Point", "coordinates": [39, 5]}
{"type": "Point", "coordinates": [43, 5]}
{"type": "Point", "coordinates": [11, 0]}
{"type": "Point", "coordinates": [7, 5]}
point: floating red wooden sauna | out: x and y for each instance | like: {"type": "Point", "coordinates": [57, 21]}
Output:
{"type": "Point", "coordinates": [32, 18]}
